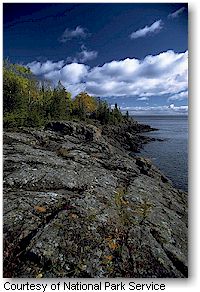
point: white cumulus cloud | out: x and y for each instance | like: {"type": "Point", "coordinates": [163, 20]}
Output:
{"type": "Point", "coordinates": [73, 73]}
{"type": "Point", "coordinates": [39, 68]}
{"type": "Point", "coordinates": [165, 74]}
{"type": "Point", "coordinates": [147, 30]}
{"type": "Point", "coordinates": [86, 55]}
{"type": "Point", "coordinates": [78, 32]}
{"type": "Point", "coordinates": [72, 76]}
{"type": "Point", "coordinates": [83, 56]}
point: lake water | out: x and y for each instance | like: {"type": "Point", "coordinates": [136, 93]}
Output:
{"type": "Point", "coordinates": [170, 155]}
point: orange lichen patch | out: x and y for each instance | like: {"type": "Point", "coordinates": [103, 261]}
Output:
{"type": "Point", "coordinates": [112, 243]}
{"type": "Point", "coordinates": [108, 257]}
{"type": "Point", "coordinates": [40, 209]}
{"type": "Point", "coordinates": [73, 216]}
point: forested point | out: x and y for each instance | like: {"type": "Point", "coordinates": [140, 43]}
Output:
{"type": "Point", "coordinates": [28, 101]}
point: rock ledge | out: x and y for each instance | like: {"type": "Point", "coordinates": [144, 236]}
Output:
{"type": "Point", "coordinates": [76, 204]}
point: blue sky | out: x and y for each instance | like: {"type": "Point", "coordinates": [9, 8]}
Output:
{"type": "Point", "coordinates": [132, 54]}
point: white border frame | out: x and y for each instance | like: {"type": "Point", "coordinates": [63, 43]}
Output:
{"type": "Point", "coordinates": [191, 284]}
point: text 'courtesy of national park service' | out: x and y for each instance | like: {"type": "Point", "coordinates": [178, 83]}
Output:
{"type": "Point", "coordinates": [79, 286]}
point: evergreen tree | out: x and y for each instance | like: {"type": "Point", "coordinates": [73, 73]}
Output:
{"type": "Point", "coordinates": [60, 102]}
{"type": "Point", "coordinates": [127, 115]}
{"type": "Point", "coordinates": [103, 112]}
{"type": "Point", "coordinates": [117, 115]}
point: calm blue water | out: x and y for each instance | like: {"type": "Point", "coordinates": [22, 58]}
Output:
{"type": "Point", "coordinates": [171, 155]}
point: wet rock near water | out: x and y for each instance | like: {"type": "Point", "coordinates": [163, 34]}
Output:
{"type": "Point", "coordinates": [76, 204]}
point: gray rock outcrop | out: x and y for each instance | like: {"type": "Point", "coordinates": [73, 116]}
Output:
{"type": "Point", "coordinates": [76, 204]}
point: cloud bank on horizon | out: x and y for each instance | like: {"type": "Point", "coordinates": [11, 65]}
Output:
{"type": "Point", "coordinates": [164, 75]}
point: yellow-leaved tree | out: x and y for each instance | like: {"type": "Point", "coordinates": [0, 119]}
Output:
{"type": "Point", "coordinates": [84, 104]}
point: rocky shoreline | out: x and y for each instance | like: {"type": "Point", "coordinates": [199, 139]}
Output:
{"type": "Point", "coordinates": [77, 204]}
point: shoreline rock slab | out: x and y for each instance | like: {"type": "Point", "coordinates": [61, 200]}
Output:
{"type": "Point", "coordinates": [76, 204]}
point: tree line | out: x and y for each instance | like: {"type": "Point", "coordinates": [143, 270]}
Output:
{"type": "Point", "coordinates": [28, 101]}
